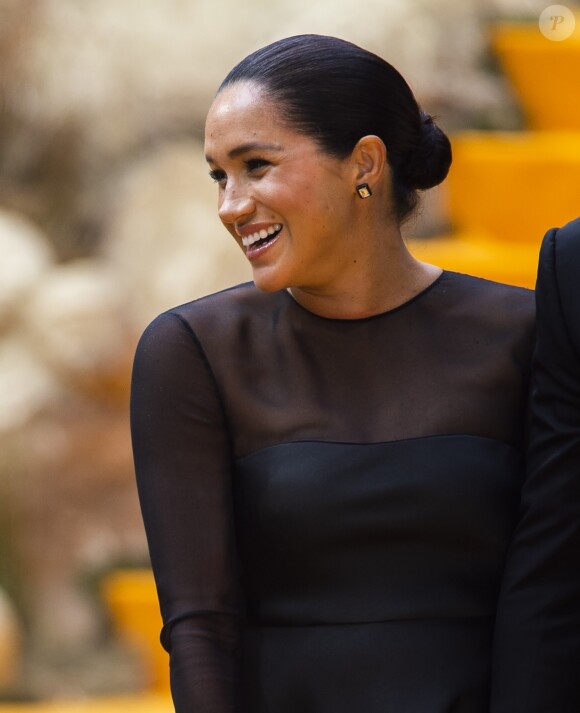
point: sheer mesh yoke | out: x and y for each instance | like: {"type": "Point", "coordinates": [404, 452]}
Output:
{"type": "Point", "coordinates": [303, 477]}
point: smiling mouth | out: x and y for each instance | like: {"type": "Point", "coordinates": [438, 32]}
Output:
{"type": "Point", "coordinates": [261, 238]}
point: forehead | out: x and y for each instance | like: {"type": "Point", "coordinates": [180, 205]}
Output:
{"type": "Point", "coordinates": [243, 112]}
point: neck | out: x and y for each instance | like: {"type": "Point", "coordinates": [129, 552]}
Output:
{"type": "Point", "coordinates": [387, 277]}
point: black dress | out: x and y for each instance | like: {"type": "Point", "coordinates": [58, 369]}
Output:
{"type": "Point", "coordinates": [329, 502]}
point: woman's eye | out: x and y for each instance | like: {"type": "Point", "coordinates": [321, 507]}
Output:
{"type": "Point", "coordinates": [217, 176]}
{"type": "Point", "coordinates": [255, 164]}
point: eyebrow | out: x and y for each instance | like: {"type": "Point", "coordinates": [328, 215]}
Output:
{"type": "Point", "coordinates": [245, 148]}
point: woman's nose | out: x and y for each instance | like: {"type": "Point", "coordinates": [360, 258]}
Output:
{"type": "Point", "coordinates": [235, 205]}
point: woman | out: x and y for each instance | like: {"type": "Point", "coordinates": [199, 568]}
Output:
{"type": "Point", "coordinates": [328, 460]}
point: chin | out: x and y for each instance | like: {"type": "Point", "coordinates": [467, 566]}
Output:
{"type": "Point", "coordinates": [267, 281]}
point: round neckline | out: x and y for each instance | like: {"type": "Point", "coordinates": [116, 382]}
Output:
{"type": "Point", "coordinates": [378, 315]}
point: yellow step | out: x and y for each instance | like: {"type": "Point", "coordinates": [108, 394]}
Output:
{"type": "Point", "coordinates": [544, 73]}
{"type": "Point", "coordinates": [514, 186]}
{"type": "Point", "coordinates": [146, 703]}
{"type": "Point", "coordinates": [480, 255]}
{"type": "Point", "coordinates": [132, 600]}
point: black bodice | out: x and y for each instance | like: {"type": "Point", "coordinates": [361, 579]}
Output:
{"type": "Point", "coordinates": [329, 502]}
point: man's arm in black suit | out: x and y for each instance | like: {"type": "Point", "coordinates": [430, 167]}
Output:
{"type": "Point", "coordinates": [536, 666]}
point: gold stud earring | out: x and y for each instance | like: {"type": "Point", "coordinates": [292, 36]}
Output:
{"type": "Point", "coordinates": [364, 190]}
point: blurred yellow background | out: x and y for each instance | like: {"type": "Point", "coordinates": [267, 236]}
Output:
{"type": "Point", "coordinates": [107, 217]}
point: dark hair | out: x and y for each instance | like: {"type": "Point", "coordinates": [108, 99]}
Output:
{"type": "Point", "coordinates": [337, 92]}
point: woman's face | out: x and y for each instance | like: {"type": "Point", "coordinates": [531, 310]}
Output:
{"type": "Point", "coordinates": [287, 204]}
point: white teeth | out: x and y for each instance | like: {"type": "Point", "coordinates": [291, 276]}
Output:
{"type": "Point", "coordinates": [260, 235]}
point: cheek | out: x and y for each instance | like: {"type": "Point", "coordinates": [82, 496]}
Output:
{"type": "Point", "coordinates": [305, 194]}
{"type": "Point", "coordinates": [279, 197]}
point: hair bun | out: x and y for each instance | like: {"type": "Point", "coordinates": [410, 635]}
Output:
{"type": "Point", "coordinates": [429, 163]}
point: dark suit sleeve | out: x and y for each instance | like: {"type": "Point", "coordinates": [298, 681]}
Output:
{"type": "Point", "coordinates": [536, 666]}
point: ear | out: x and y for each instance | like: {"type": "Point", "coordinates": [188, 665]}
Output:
{"type": "Point", "coordinates": [369, 158]}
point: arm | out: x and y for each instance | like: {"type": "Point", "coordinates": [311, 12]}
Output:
{"type": "Point", "coordinates": [536, 667]}
{"type": "Point", "coordinates": [182, 462]}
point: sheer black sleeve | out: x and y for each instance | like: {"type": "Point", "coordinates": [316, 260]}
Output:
{"type": "Point", "coordinates": [537, 643]}
{"type": "Point", "coordinates": [183, 466]}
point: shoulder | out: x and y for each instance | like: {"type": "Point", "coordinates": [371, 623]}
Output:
{"type": "Point", "coordinates": [217, 317]}
{"type": "Point", "coordinates": [561, 249]}
{"type": "Point", "coordinates": [229, 309]}
{"type": "Point", "coordinates": [187, 339]}
{"type": "Point", "coordinates": [492, 317]}
{"type": "Point", "coordinates": [235, 298]}
{"type": "Point", "coordinates": [558, 286]}
{"type": "Point", "coordinates": [488, 301]}
{"type": "Point", "coordinates": [482, 288]}
{"type": "Point", "coordinates": [560, 256]}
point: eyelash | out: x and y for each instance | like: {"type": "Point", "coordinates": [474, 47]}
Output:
{"type": "Point", "coordinates": [252, 164]}
{"type": "Point", "coordinates": [217, 176]}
